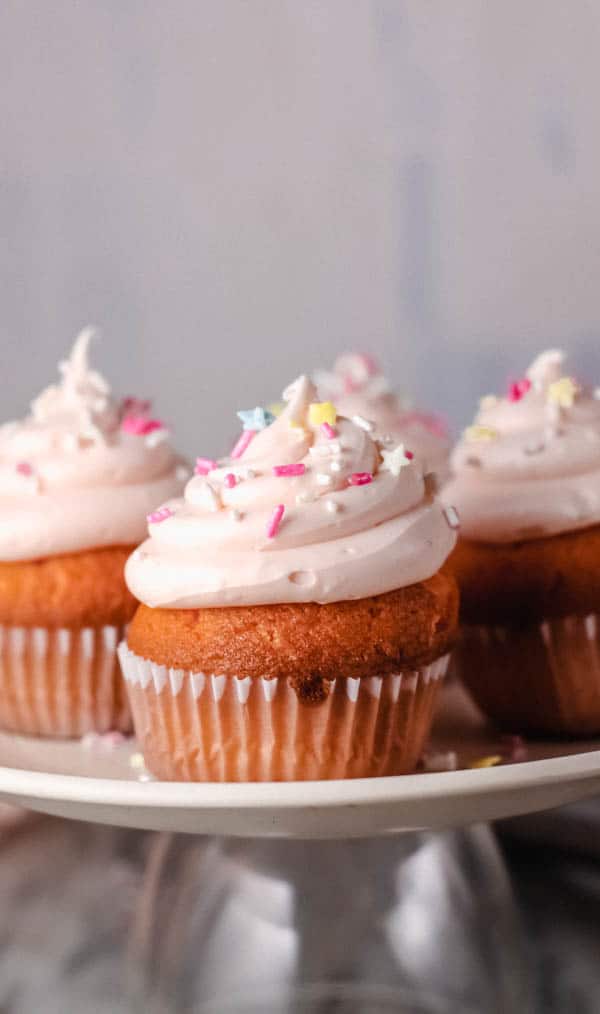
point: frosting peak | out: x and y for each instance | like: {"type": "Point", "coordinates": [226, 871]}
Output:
{"type": "Point", "coordinates": [529, 466]}
{"type": "Point", "coordinates": [73, 475]}
{"type": "Point", "coordinates": [358, 387]}
{"type": "Point", "coordinates": [310, 510]}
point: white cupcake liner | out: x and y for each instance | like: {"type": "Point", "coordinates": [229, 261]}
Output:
{"type": "Point", "coordinates": [61, 682]}
{"type": "Point", "coordinates": [193, 726]}
{"type": "Point", "coordinates": [536, 678]}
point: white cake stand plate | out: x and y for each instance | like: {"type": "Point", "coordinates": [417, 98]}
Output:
{"type": "Point", "coordinates": [100, 783]}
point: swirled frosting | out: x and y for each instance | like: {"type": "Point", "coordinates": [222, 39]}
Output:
{"type": "Point", "coordinates": [530, 464]}
{"type": "Point", "coordinates": [358, 387]}
{"type": "Point", "coordinates": [81, 471]}
{"type": "Point", "coordinates": [312, 511]}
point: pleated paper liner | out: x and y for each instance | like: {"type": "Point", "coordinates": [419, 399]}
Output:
{"type": "Point", "coordinates": [198, 727]}
{"type": "Point", "coordinates": [537, 679]}
{"type": "Point", "coordinates": [61, 682]}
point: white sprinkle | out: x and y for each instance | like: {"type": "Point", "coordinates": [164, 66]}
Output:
{"type": "Point", "coordinates": [182, 473]}
{"type": "Point", "coordinates": [319, 451]}
{"type": "Point", "coordinates": [324, 480]}
{"type": "Point", "coordinates": [235, 514]}
{"type": "Point", "coordinates": [332, 506]}
{"type": "Point", "coordinates": [145, 776]}
{"type": "Point", "coordinates": [136, 761]}
{"type": "Point", "coordinates": [157, 437]}
{"type": "Point", "coordinates": [447, 761]}
{"type": "Point", "coordinates": [335, 447]}
{"type": "Point", "coordinates": [335, 466]}
{"type": "Point", "coordinates": [306, 497]}
{"type": "Point", "coordinates": [451, 515]}
{"type": "Point", "coordinates": [364, 424]}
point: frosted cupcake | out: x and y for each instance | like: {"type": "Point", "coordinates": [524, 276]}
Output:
{"type": "Point", "coordinates": [77, 478]}
{"type": "Point", "coordinates": [361, 391]}
{"type": "Point", "coordinates": [527, 489]}
{"type": "Point", "coordinates": [294, 623]}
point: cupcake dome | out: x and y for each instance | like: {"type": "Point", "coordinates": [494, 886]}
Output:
{"type": "Point", "coordinates": [359, 388]}
{"type": "Point", "coordinates": [294, 622]}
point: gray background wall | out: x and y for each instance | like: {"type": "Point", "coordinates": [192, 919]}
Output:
{"type": "Point", "coordinates": [236, 190]}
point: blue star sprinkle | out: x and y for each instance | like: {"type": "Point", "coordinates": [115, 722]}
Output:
{"type": "Point", "coordinates": [255, 418]}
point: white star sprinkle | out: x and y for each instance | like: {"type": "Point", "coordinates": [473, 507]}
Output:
{"type": "Point", "coordinates": [395, 460]}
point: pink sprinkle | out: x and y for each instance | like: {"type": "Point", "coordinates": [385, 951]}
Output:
{"type": "Point", "coordinates": [139, 426]}
{"type": "Point", "coordinates": [298, 469]}
{"type": "Point", "coordinates": [360, 479]}
{"type": "Point", "coordinates": [134, 406]}
{"type": "Point", "coordinates": [24, 468]}
{"type": "Point", "coordinates": [230, 480]}
{"type": "Point", "coordinates": [160, 515]}
{"type": "Point", "coordinates": [409, 455]}
{"type": "Point", "coordinates": [275, 521]}
{"type": "Point", "coordinates": [518, 389]}
{"type": "Point", "coordinates": [434, 423]}
{"type": "Point", "coordinates": [242, 444]}
{"type": "Point", "coordinates": [204, 466]}
{"type": "Point", "coordinates": [328, 430]}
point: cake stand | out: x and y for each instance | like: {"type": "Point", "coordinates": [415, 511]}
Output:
{"type": "Point", "coordinates": [361, 895]}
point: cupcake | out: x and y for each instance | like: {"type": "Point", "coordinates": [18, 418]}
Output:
{"type": "Point", "coordinates": [527, 489]}
{"type": "Point", "coordinates": [77, 478]}
{"type": "Point", "coordinates": [360, 391]}
{"type": "Point", "coordinates": [294, 622]}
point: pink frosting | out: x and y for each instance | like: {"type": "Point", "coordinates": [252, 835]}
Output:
{"type": "Point", "coordinates": [71, 478]}
{"type": "Point", "coordinates": [358, 387]}
{"type": "Point", "coordinates": [530, 465]}
{"type": "Point", "coordinates": [332, 539]}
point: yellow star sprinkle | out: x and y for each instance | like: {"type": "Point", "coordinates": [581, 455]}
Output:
{"type": "Point", "coordinates": [320, 412]}
{"type": "Point", "coordinates": [562, 392]}
{"type": "Point", "coordinates": [480, 433]}
{"type": "Point", "coordinates": [486, 762]}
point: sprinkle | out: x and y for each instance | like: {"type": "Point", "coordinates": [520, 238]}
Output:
{"type": "Point", "coordinates": [443, 761]}
{"type": "Point", "coordinates": [235, 514]}
{"type": "Point", "coordinates": [562, 392]}
{"type": "Point", "coordinates": [395, 460]}
{"type": "Point", "coordinates": [332, 506]}
{"type": "Point", "coordinates": [306, 496]}
{"type": "Point", "coordinates": [157, 437]}
{"type": "Point", "coordinates": [204, 466]}
{"type": "Point", "coordinates": [254, 419]}
{"type": "Point", "coordinates": [134, 407]}
{"type": "Point", "coordinates": [486, 762]}
{"type": "Point", "coordinates": [320, 412]}
{"type": "Point", "coordinates": [24, 468]}
{"type": "Point", "coordinates": [139, 426]}
{"type": "Point", "coordinates": [298, 469]}
{"type": "Point", "coordinates": [517, 748]}
{"type": "Point", "coordinates": [159, 515]}
{"type": "Point", "coordinates": [246, 437]}
{"type": "Point", "coordinates": [320, 450]}
{"type": "Point", "coordinates": [488, 401]}
{"type": "Point", "coordinates": [109, 740]}
{"type": "Point", "coordinates": [323, 479]}
{"type": "Point", "coordinates": [328, 430]}
{"type": "Point", "coordinates": [275, 521]}
{"type": "Point", "coordinates": [230, 480]}
{"type": "Point", "coordinates": [451, 515]}
{"type": "Point", "coordinates": [335, 466]}
{"type": "Point", "coordinates": [480, 433]}
{"type": "Point", "coordinates": [335, 447]}
{"type": "Point", "coordinates": [363, 424]}
{"type": "Point", "coordinates": [136, 761]}
{"type": "Point", "coordinates": [246, 473]}
{"type": "Point", "coordinates": [276, 408]}
{"type": "Point", "coordinates": [518, 389]}
{"type": "Point", "coordinates": [360, 479]}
